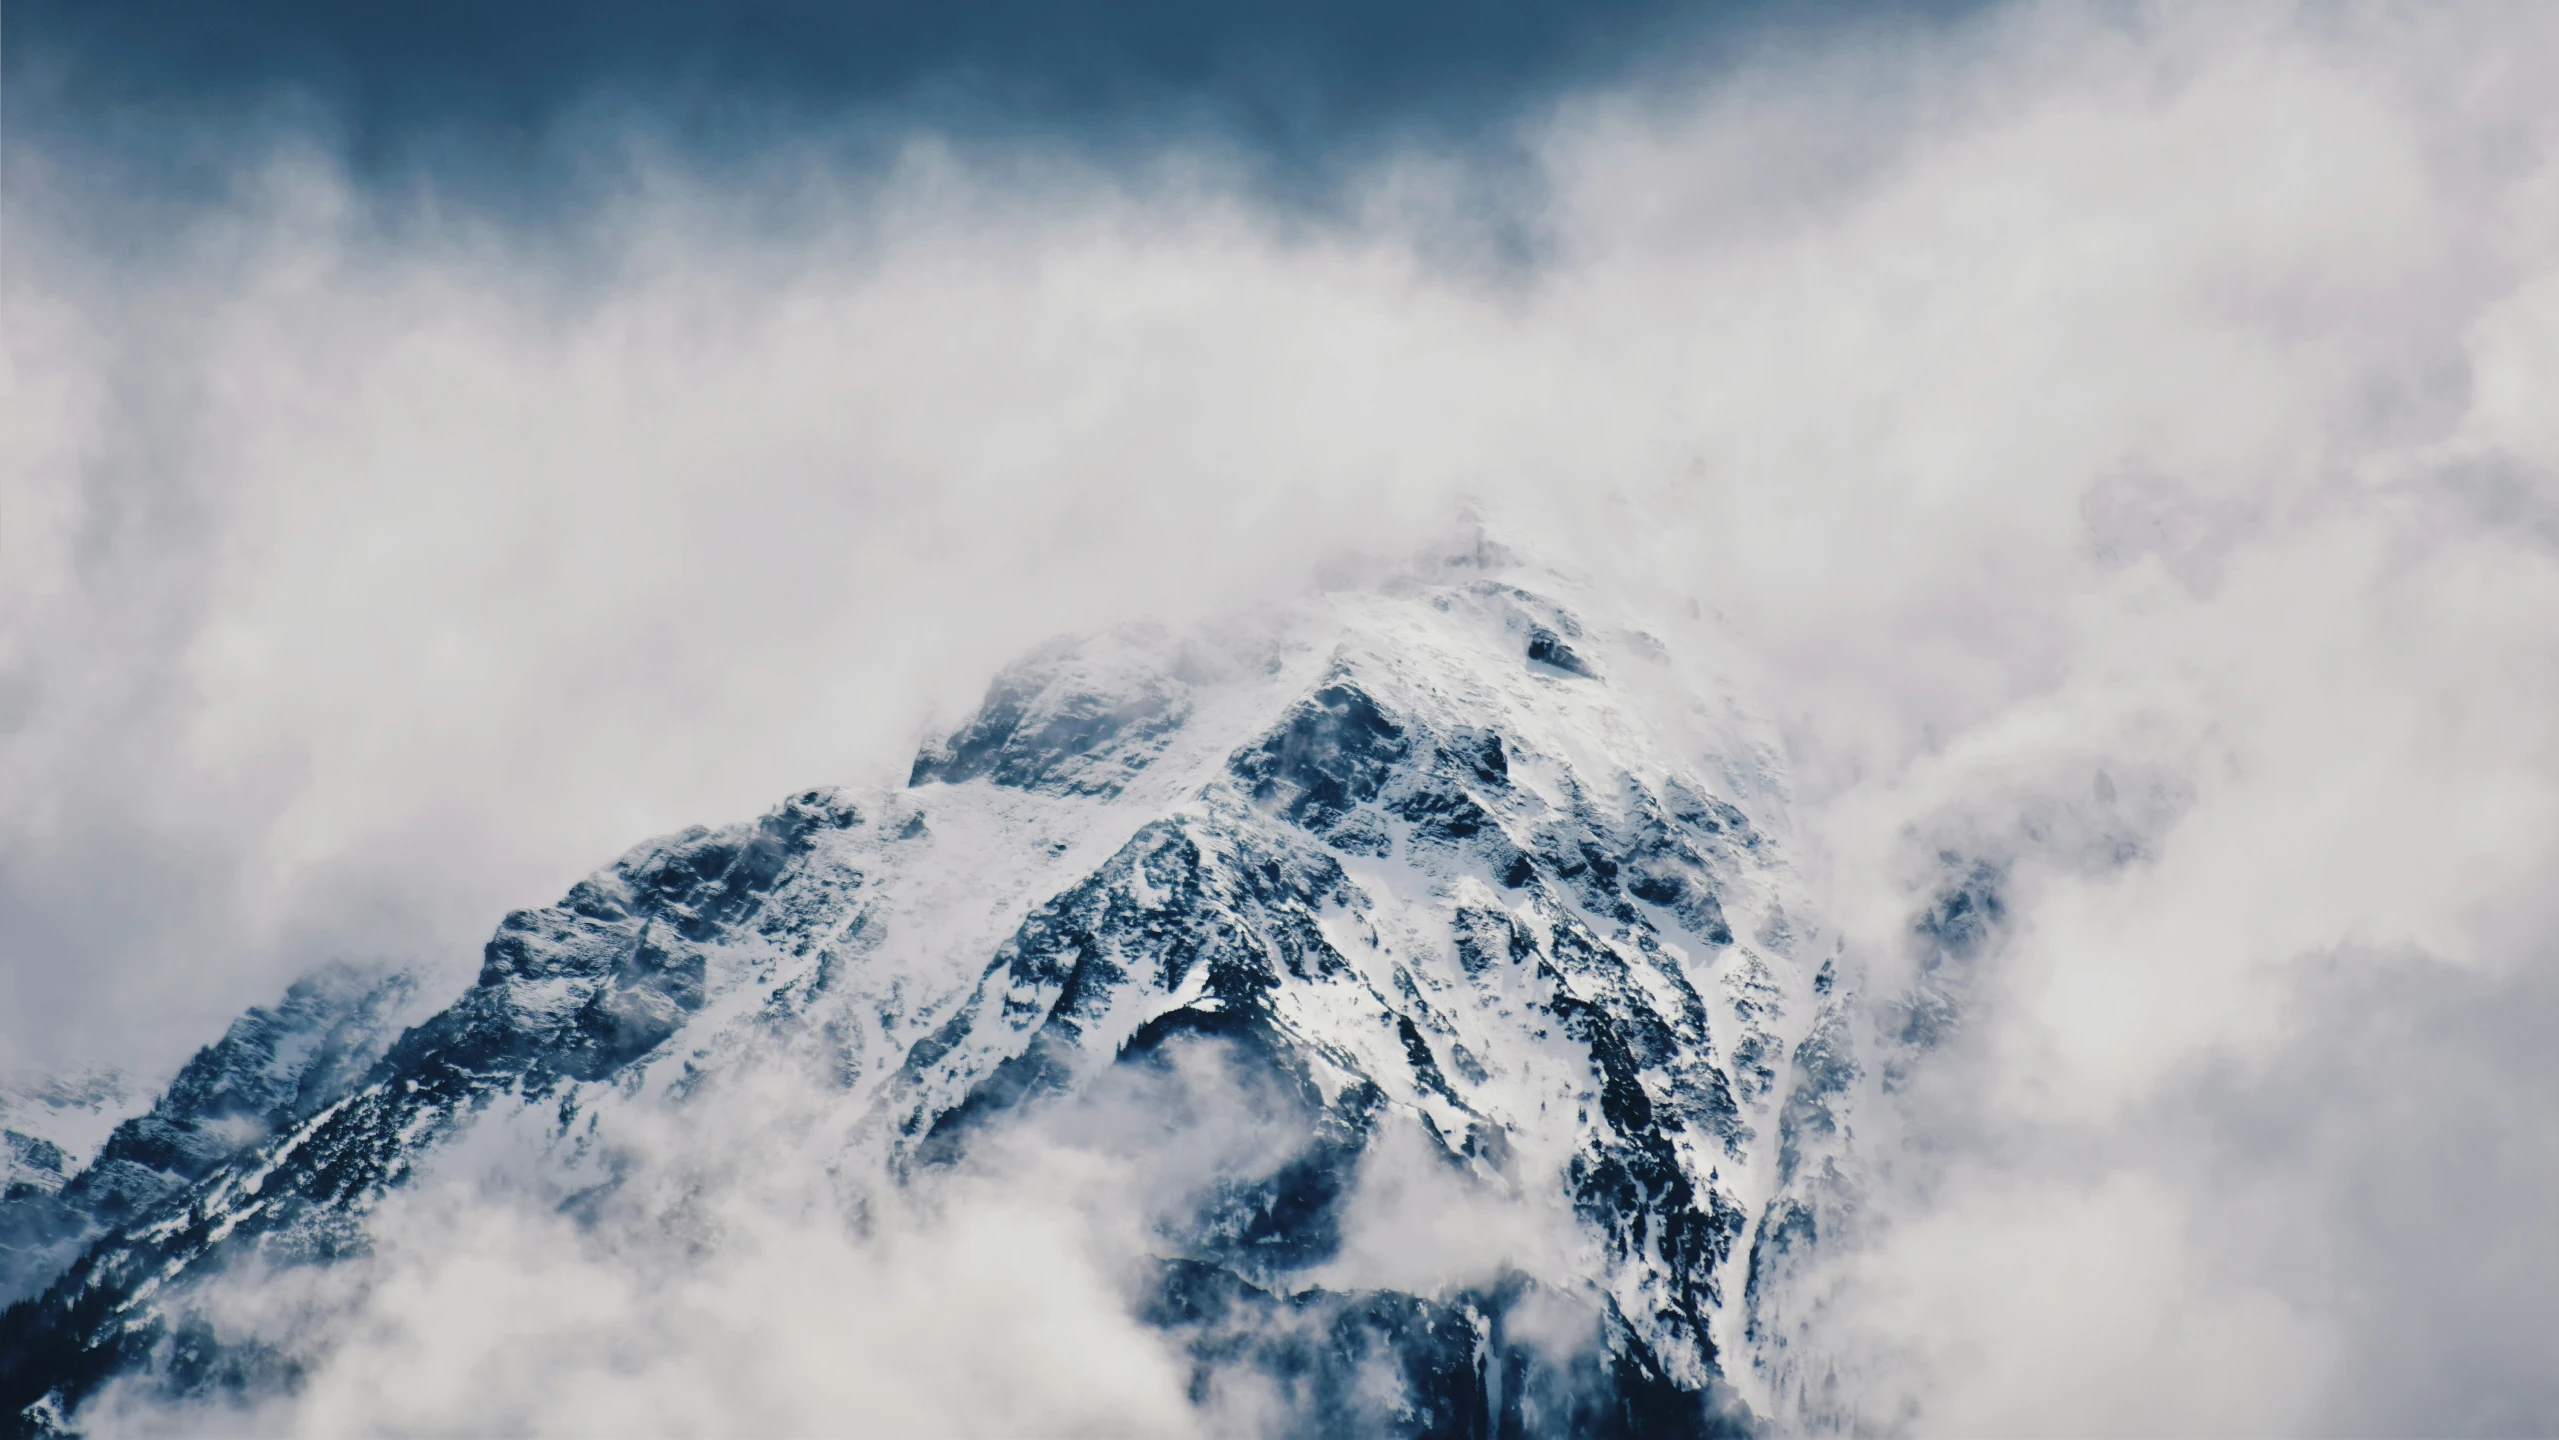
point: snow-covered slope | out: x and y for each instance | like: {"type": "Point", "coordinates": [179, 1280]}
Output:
{"type": "Point", "coordinates": [53, 1125]}
{"type": "Point", "coordinates": [51, 1128]}
{"type": "Point", "coordinates": [1467, 856]}
{"type": "Point", "coordinates": [102, 1155]}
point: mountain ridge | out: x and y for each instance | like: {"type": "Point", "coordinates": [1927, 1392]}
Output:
{"type": "Point", "coordinates": [1421, 855]}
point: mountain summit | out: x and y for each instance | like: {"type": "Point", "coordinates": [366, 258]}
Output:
{"type": "Point", "coordinates": [1465, 882]}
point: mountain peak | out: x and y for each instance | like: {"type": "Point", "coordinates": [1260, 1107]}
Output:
{"type": "Point", "coordinates": [1432, 860]}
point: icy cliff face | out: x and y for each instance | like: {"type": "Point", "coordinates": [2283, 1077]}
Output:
{"type": "Point", "coordinates": [1463, 857]}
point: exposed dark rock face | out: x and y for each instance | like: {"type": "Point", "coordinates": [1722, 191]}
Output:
{"type": "Point", "coordinates": [1061, 723]}
{"type": "Point", "coordinates": [1547, 648]}
{"type": "Point", "coordinates": [1387, 1363]}
{"type": "Point", "coordinates": [1335, 750]}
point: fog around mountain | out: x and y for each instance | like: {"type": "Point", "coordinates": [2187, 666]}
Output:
{"type": "Point", "coordinates": [2099, 445]}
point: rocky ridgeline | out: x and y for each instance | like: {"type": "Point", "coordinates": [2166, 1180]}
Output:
{"type": "Point", "coordinates": [1446, 855]}
{"type": "Point", "coordinates": [273, 1069]}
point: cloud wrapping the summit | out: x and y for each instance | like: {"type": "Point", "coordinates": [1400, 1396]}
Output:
{"type": "Point", "coordinates": [2109, 443]}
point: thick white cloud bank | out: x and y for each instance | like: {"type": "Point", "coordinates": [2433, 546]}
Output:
{"type": "Point", "coordinates": [2116, 441]}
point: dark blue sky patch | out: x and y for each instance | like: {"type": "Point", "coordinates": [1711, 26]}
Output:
{"type": "Point", "coordinates": [505, 93]}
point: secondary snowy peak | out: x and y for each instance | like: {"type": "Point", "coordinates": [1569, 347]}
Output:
{"type": "Point", "coordinates": [1074, 719]}
{"type": "Point", "coordinates": [52, 1125]}
{"type": "Point", "coordinates": [273, 1068]}
{"type": "Point", "coordinates": [1468, 860]}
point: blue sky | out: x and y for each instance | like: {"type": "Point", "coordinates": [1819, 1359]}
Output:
{"type": "Point", "coordinates": [480, 93]}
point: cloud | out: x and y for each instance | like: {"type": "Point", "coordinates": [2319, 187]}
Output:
{"type": "Point", "coordinates": [485, 1313]}
{"type": "Point", "coordinates": [2105, 439]}
{"type": "Point", "coordinates": [712, 1277]}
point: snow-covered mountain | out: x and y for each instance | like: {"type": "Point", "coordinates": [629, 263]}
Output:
{"type": "Point", "coordinates": [1466, 861]}
{"type": "Point", "coordinates": [51, 1128]}
{"type": "Point", "coordinates": [90, 1154]}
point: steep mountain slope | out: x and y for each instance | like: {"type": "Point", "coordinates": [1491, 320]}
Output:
{"type": "Point", "coordinates": [271, 1070]}
{"type": "Point", "coordinates": [54, 1124]}
{"type": "Point", "coordinates": [51, 1127]}
{"type": "Point", "coordinates": [1445, 859]}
